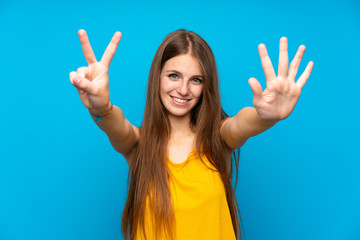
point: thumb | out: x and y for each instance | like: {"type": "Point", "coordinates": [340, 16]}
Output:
{"type": "Point", "coordinates": [256, 89]}
{"type": "Point", "coordinates": [82, 84]}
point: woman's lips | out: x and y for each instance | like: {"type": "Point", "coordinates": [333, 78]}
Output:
{"type": "Point", "coordinates": [180, 101]}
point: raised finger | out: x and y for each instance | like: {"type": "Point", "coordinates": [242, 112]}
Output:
{"type": "Point", "coordinates": [294, 65]}
{"type": "Point", "coordinates": [266, 63]}
{"type": "Point", "coordinates": [111, 49]}
{"type": "Point", "coordinates": [256, 89]}
{"type": "Point", "coordinates": [86, 47]}
{"type": "Point", "coordinates": [305, 75]}
{"type": "Point", "coordinates": [283, 58]}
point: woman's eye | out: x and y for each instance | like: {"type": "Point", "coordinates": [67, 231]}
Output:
{"type": "Point", "coordinates": [173, 75]}
{"type": "Point", "coordinates": [197, 80]}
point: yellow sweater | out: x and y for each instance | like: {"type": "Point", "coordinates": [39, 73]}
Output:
{"type": "Point", "coordinates": [199, 200]}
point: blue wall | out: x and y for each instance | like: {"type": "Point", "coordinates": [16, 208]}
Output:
{"type": "Point", "coordinates": [61, 179]}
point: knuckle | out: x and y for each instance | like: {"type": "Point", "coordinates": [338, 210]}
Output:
{"type": "Point", "coordinates": [96, 91]}
{"type": "Point", "coordinates": [81, 69]}
{"type": "Point", "coordinates": [71, 77]}
{"type": "Point", "coordinates": [280, 78]}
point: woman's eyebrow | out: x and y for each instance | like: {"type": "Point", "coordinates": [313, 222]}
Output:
{"type": "Point", "coordinates": [177, 72]}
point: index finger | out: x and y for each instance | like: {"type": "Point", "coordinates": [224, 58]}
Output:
{"type": "Point", "coordinates": [86, 47]}
{"type": "Point", "coordinates": [266, 63]}
{"type": "Point", "coordinates": [111, 49]}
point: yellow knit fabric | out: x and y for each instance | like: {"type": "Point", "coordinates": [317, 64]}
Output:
{"type": "Point", "coordinates": [199, 200]}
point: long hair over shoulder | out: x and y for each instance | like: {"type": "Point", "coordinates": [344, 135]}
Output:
{"type": "Point", "coordinates": [148, 171]}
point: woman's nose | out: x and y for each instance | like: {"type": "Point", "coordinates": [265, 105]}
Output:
{"type": "Point", "coordinates": [183, 88]}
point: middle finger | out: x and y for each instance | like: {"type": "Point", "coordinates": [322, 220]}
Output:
{"type": "Point", "coordinates": [283, 57]}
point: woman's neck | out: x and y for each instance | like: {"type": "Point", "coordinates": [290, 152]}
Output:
{"type": "Point", "coordinates": [180, 126]}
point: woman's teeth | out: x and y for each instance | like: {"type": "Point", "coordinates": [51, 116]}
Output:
{"type": "Point", "coordinates": [180, 100]}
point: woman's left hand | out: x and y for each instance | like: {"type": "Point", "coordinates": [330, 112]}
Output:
{"type": "Point", "coordinates": [279, 98]}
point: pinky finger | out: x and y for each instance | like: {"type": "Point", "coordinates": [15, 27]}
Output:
{"type": "Point", "coordinates": [305, 75]}
{"type": "Point", "coordinates": [83, 96]}
{"type": "Point", "coordinates": [80, 91]}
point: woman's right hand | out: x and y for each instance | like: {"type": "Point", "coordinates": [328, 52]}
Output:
{"type": "Point", "coordinates": [92, 82]}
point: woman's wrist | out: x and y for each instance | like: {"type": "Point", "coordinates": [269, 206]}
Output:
{"type": "Point", "coordinates": [250, 116]}
{"type": "Point", "coordinates": [98, 114]}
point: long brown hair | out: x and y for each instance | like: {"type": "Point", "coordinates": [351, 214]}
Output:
{"type": "Point", "coordinates": [148, 172]}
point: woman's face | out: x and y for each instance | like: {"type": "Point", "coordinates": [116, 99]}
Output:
{"type": "Point", "coordinates": [181, 85]}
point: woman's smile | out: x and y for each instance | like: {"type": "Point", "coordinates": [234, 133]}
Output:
{"type": "Point", "coordinates": [180, 101]}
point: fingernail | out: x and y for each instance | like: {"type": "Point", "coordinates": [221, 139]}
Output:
{"type": "Point", "coordinates": [77, 80]}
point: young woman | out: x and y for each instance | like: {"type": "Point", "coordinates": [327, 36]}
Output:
{"type": "Point", "coordinates": [180, 158]}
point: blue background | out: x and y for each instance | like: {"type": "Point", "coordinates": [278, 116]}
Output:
{"type": "Point", "coordinates": [61, 179]}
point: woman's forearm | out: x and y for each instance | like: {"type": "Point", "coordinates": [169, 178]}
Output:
{"type": "Point", "coordinates": [245, 124]}
{"type": "Point", "coordinates": [115, 125]}
{"type": "Point", "coordinates": [248, 123]}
